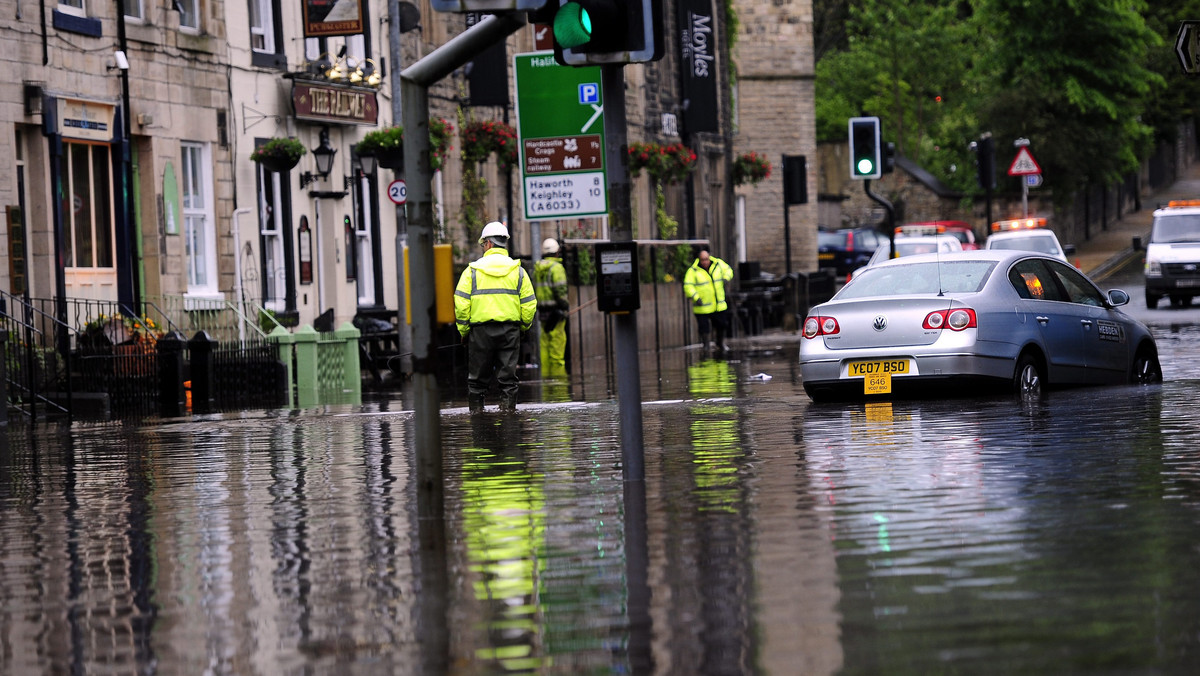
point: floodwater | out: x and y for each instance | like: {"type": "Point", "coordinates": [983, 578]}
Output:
{"type": "Point", "coordinates": [770, 536]}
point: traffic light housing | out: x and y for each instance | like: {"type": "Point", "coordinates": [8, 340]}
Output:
{"type": "Point", "coordinates": [888, 164]}
{"type": "Point", "coordinates": [865, 156]}
{"type": "Point", "coordinates": [593, 32]}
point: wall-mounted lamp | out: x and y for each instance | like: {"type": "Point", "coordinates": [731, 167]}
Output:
{"type": "Point", "coordinates": [369, 164]}
{"type": "Point", "coordinates": [119, 61]}
{"type": "Point", "coordinates": [323, 154]}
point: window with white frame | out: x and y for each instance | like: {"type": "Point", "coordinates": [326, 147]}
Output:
{"type": "Point", "coordinates": [88, 218]}
{"type": "Point", "coordinates": [262, 26]}
{"type": "Point", "coordinates": [200, 237]}
{"type": "Point", "coordinates": [270, 218]}
{"type": "Point", "coordinates": [73, 7]}
{"type": "Point", "coordinates": [189, 14]}
{"type": "Point", "coordinates": [134, 10]}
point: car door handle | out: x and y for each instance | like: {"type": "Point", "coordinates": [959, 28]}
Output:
{"type": "Point", "coordinates": [1043, 320]}
{"type": "Point", "coordinates": [1087, 323]}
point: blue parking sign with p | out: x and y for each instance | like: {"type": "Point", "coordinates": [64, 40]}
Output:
{"type": "Point", "coordinates": [589, 92]}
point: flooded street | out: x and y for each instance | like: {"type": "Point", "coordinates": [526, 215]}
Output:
{"type": "Point", "coordinates": [771, 536]}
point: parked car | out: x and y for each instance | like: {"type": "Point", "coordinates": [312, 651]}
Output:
{"type": "Point", "coordinates": [1010, 320]}
{"type": "Point", "coordinates": [1028, 234]}
{"type": "Point", "coordinates": [846, 249]}
{"type": "Point", "coordinates": [960, 230]}
{"type": "Point", "coordinates": [910, 246]}
{"type": "Point", "coordinates": [1172, 266]}
{"type": "Point", "coordinates": [1041, 241]}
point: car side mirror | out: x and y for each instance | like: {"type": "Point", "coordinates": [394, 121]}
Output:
{"type": "Point", "coordinates": [1117, 297]}
{"type": "Point", "coordinates": [1069, 249]}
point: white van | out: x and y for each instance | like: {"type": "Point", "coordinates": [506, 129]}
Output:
{"type": "Point", "coordinates": [1173, 254]}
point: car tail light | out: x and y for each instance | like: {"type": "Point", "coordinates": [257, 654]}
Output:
{"type": "Point", "coordinates": [955, 319]}
{"type": "Point", "coordinates": [820, 326]}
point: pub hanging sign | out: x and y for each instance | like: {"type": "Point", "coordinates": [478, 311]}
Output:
{"type": "Point", "coordinates": [333, 103]}
{"type": "Point", "coordinates": [323, 18]}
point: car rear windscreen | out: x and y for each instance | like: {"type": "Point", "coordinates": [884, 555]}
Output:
{"type": "Point", "coordinates": [918, 278]}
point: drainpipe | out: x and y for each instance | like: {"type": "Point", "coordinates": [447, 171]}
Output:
{"type": "Point", "coordinates": [237, 271]}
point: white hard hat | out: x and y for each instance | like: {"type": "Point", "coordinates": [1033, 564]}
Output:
{"type": "Point", "coordinates": [493, 229]}
{"type": "Point", "coordinates": [550, 246]}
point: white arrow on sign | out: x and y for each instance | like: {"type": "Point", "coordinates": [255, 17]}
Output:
{"type": "Point", "coordinates": [1033, 180]}
{"type": "Point", "coordinates": [1187, 46]}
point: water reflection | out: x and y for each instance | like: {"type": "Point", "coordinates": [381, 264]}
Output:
{"type": "Point", "coordinates": [769, 536]}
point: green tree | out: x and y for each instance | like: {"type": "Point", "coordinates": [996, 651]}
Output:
{"type": "Point", "coordinates": [1071, 76]}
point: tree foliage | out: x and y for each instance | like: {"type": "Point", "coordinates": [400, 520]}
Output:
{"type": "Point", "coordinates": [1086, 81]}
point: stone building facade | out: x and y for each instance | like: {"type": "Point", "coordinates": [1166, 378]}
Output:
{"type": "Point", "coordinates": [775, 114]}
{"type": "Point", "coordinates": [150, 150]}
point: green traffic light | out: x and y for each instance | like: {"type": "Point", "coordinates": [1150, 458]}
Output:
{"type": "Point", "coordinates": [572, 26]}
{"type": "Point", "coordinates": [866, 166]}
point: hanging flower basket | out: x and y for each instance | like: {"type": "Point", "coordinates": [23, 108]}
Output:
{"type": "Point", "coordinates": [750, 168]}
{"type": "Point", "coordinates": [439, 142]}
{"type": "Point", "coordinates": [481, 139]}
{"type": "Point", "coordinates": [279, 154]}
{"type": "Point", "coordinates": [665, 164]}
{"type": "Point", "coordinates": [386, 145]}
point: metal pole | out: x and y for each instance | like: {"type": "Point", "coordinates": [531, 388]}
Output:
{"type": "Point", "coordinates": [629, 395]}
{"type": "Point", "coordinates": [431, 530]}
{"type": "Point", "coordinates": [404, 338]}
{"type": "Point", "coordinates": [787, 226]}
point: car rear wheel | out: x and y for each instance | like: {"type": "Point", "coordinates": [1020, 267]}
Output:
{"type": "Point", "coordinates": [1028, 379]}
{"type": "Point", "coordinates": [1146, 368]}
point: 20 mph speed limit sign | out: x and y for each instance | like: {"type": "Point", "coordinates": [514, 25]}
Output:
{"type": "Point", "coordinates": [398, 191]}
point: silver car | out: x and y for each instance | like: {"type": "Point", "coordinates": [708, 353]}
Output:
{"type": "Point", "coordinates": [1011, 320]}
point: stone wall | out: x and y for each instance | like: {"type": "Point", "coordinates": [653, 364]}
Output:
{"type": "Point", "coordinates": [775, 116]}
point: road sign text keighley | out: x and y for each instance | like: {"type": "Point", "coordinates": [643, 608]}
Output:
{"type": "Point", "coordinates": [560, 127]}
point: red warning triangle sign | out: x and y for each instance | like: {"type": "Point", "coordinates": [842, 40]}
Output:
{"type": "Point", "coordinates": [1024, 164]}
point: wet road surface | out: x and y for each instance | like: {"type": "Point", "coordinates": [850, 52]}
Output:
{"type": "Point", "coordinates": [770, 536]}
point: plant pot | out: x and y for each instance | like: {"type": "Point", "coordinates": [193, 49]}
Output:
{"type": "Point", "coordinates": [390, 159]}
{"type": "Point", "coordinates": [278, 164]}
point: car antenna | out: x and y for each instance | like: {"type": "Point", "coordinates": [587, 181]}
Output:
{"type": "Point", "coordinates": [937, 251]}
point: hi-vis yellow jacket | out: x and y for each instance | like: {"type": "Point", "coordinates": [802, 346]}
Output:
{"type": "Point", "coordinates": [494, 288]}
{"type": "Point", "coordinates": [706, 288]}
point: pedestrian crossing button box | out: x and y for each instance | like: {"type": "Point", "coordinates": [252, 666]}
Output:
{"type": "Point", "coordinates": [617, 277]}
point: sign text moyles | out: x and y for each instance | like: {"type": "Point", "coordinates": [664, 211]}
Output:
{"type": "Point", "coordinates": [697, 43]}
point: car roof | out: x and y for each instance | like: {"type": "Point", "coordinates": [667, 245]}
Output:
{"type": "Point", "coordinates": [998, 255]}
{"type": "Point", "coordinates": [1014, 234]}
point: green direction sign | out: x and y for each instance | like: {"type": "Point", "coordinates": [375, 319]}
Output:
{"type": "Point", "coordinates": [560, 125]}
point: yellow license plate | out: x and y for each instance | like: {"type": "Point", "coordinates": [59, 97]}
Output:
{"type": "Point", "coordinates": [824, 256]}
{"type": "Point", "coordinates": [862, 369]}
{"type": "Point", "coordinates": [878, 383]}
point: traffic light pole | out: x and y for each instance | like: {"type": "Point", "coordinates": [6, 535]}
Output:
{"type": "Point", "coordinates": [629, 378]}
{"type": "Point", "coordinates": [891, 214]}
{"type": "Point", "coordinates": [427, 441]}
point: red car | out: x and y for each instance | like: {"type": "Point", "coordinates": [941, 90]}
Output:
{"type": "Point", "coordinates": [960, 230]}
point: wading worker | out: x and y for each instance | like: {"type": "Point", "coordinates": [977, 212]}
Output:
{"type": "Point", "coordinates": [493, 304]}
{"type": "Point", "coordinates": [704, 286]}
{"type": "Point", "coordinates": [550, 285]}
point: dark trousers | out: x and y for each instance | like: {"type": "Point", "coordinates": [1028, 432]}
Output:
{"type": "Point", "coordinates": [492, 351]}
{"type": "Point", "coordinates": [719, 320]}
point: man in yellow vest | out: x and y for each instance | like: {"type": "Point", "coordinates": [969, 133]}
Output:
{"type": "Point", "coordinates": [550, 285]}
{"type": "Point", "coordinates": [493, 304]}
{"type": "Point", "coordinates": [704, 285]}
